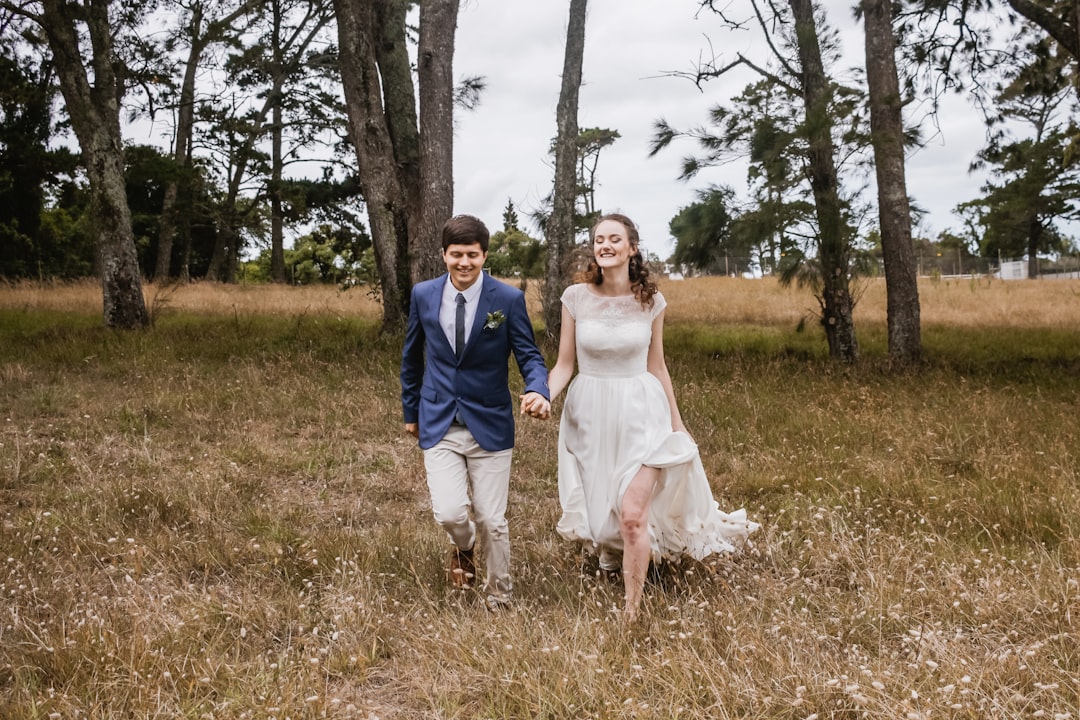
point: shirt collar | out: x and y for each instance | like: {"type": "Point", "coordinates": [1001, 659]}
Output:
{"type": "Point", "coordinates": [471, 294]}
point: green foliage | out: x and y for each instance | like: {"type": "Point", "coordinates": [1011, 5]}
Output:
{"type": "Point", "coordinates": [1034, 180]}
{"type": "Point", "coordinates": [65, 245]}
{"type": "Point", "coordinates": [147, 171]}
{"type": "Point", "coordinates": [702, 233]}
{"type": "Point", "coordinates": [24, 133]}
{"type": "Point", "coordinates": [510, 216]}
{"type": "Point", "coordinates": [765, 124]}
{"type": "Point", "coordinates": [40, 234]}
{"type": "Point", "coordinates": [512, 253]}
{"type": "Point", "coordinates": [590, 143]}
{"type": "Point", "coordinates": [328, 254]}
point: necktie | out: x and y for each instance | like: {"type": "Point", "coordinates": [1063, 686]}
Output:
{"type": "Point", "coordinates": [459, 326]}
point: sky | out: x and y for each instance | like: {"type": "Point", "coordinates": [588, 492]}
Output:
{"type": "Point", "coordinates": [631, 49]}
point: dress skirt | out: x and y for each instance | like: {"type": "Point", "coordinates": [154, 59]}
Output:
{"type": "Point", "coordinates": [613, 425]}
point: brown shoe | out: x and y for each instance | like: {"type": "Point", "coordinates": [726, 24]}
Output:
{"type": "Point", "coordinates": [462, 569]}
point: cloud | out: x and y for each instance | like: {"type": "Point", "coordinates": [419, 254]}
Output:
{"type": "Point", "coordinates": [631, 46]}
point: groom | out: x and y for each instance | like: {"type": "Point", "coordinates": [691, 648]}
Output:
{"type": "Point", "coordinates": [456, 398]}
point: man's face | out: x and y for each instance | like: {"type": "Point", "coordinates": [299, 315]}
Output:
{"type": "Point", "coordinates": [464, 263]}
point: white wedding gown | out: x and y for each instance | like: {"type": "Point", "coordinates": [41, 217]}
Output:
{"type": "Point", "coordinates": [615, 419]}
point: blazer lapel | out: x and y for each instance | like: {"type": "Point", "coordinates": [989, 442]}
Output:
{"type": "Point", "coordinates": [483, 307]}
{"type": "Point", "coordinates": [436, 306]}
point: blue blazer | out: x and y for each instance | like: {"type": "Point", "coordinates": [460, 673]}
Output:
{"type": "Point", "coordinates": [435, 386]}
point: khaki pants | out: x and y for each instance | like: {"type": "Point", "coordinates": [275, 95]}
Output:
{"type": "Point", "coordinates": [455, 466]}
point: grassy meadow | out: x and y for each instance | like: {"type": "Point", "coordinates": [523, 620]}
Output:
{"type": "Point", "coordinates": [221, 517]}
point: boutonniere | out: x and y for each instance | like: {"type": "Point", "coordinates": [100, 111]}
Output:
{"type": "Point", "coordinates": [494, 320]}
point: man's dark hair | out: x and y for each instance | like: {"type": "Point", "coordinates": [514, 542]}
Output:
{"type": "Point", "coordinates": [465, 230]}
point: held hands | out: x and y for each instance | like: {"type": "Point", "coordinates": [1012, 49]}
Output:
{"type": "Point", "coordinates": [535, 405]}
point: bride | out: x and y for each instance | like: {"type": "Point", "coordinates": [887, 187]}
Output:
{"type": "Point", "coordinates": [631, 482]}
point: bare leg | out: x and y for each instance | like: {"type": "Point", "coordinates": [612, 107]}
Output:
{"type": "Point", "coordinates": [634, 527]}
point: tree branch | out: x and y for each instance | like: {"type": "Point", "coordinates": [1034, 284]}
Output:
{"type": "Point", "coordinates": [1055, 26]}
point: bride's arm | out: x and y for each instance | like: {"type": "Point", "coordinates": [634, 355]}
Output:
{"type": "Point", "coordinates": [563, 370]}
{"type": "Point", "coordinates": [658, 367]}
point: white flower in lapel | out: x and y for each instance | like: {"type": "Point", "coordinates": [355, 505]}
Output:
{"type": "Point", "coordinates": [494, 320]}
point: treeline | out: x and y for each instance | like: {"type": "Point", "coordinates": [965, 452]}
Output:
{"type": "Point", "coordinates": [251, 89]}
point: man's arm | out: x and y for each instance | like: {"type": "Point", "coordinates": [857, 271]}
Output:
{"type": "Point", "coordinates": [530, 361]}
{"type": "Point", "coordinates": [412, 368]}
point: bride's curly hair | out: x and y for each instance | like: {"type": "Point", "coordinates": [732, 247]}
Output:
{"type": "Point", "coordinates": [643, 287]}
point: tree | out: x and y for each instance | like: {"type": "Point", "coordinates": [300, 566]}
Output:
{"type": "Point", "coordinates": [304, 110]}
{"type": "Point", "coordinates": [894, 209]}
{"type": "Point", "coordinates": [772, 226]}
{"type": "Point", "coordinates": [1035, 180]}
{"type": "Point", "coordinates": [510, 217]}
{"type": "Point", "coordinates": [559, 230]}
{"type": "Point", "coordinates": [513, 253]}
{"type": "Point", "coordinates": [435, 77]}
{"type": "Point", "coordinates": [801, 76]}
{"type": "Point", "coordinates": [1060, 19]}
{"type": "Point", "coordinates": [267, 70]}
{"type": "Point", "coordinates": [199, 28]}
{"type": "Point", "coordinates": [145, 171]}
{"type": "Point", "coordinates": [328, 254]}
{"type": "Point", "coordinates": [761, 124]}
{"type": "Point", "coordinates": [589, 144]}
{"type": "Point", "coordinates": [402, 157]}
{"type": "Point", "coordinates": [702, 232]}
{"type": "Point", "coordinates": [92, 81]}
{"type": "Point", "coordinates": [26, 93]}
{"type": "Point", "coordinates": [833, 245]}
{"type": "Point", "coordinates": [41, 206]}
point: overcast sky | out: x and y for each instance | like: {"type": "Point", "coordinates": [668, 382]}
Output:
{"type": "Point", "coordinates": [517, 45]}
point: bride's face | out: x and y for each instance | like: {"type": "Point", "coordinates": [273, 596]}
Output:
{"type": "Point", "coordinates": [611, 246]}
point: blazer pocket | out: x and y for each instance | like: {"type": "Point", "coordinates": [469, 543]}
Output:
{"type": "Point", "coordinates": [496, 400]}
{"type": "Point", "coordinates": [429, 394]}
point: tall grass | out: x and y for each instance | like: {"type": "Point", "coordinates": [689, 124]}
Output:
{"type": "Point", "coordinates": [220, 517]}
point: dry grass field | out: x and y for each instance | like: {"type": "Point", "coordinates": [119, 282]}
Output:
{"type": "Point", "coordinates": [220, 517]}
{"type": "Point", "coordinates": [970, 302]}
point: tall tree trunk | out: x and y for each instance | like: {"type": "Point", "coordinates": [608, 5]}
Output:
{"type": "Point", "coordinates": [435, 55]}
{"type": "Point", "coordinates": [166, 231]}
{"type": "Point", "coordinates": [277, 233]}
{"type": "Point", "coordinates": [185, 122]}
{"type": "Point", "coordinates": [95, 117]}
{"type": "Point", "coordinates": [289, 53]}
{"type": "Point", "coordinates": [560, 228]}
{"type": "Point", "coordinates": [178, 188]}
{"type": "Point", "coordinates": [400, 168]}
{"type": "Point", "coordinates": [184, 235]}
{"type": "Point", "coordinates": [894, 209]}
{"type": "Point", "coordinates": [277, 224]}
{"type": "Point", "coordinates": [217, 268]}
{"type": "Point", "coordinates": [1035, 233]}
{"type": "Point", "coordinates": [370, 133]}
{"type": "Point", "coordinates": [833, 248]}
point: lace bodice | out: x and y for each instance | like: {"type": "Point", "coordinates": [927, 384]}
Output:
{"type": "Point", "coordinates": [612, 333]}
